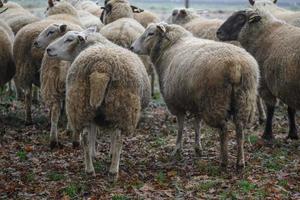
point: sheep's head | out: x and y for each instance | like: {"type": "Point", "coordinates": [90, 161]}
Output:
{"type": "Point", "coordinates": [60, 7]}
{"type": "Point", "coordinates": [262, 2]}
{"type": "Point", "coordinates": [116, 9]}
{"type": "Point", "coordinates": [232, 27]}
{"type": "Point", "coordinates": [69, 46]}
{"type": "Point", "coordinates": [181, 16]}
{"type": "Point", "coordinates": [48, 35]}
{"type": "Point", "coordinates": [156, 37]}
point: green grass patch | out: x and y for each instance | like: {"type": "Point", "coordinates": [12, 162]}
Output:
{"type": "Point", "coordinates": [22, 155]}
{"type": "Point", "coordinates": [161, 178]}
{"type": "Point", "coordinates": [98, 166]}
{"type": "Point", "coordinates": [159, 141]}
{"type": "Point", "coordinates": [71, 190]}
{"type": "Point", "coordinates": [245, 186]}
{"type": "Point", "coordinates": [29, 177]}
{"type": "Point", "coordinates": [55, 176]}
{"type": "Point", "coordinates": [206, 185]}
{"type": "Point", "coordinates": [253, 139]}
{"type": "Point", "coordinates": [120, 197]}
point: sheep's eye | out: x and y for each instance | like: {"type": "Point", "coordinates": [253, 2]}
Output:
{"type": "Point", "coordinates": [150, 34]}
{"type": "Point", "coordinates": [68, 40]}
{"type": "Point", "coordinates": [50, 33]}
{"type": "Point", "coordinates": [174, 13]}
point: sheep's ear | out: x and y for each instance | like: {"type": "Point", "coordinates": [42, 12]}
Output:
{"type": "Point", "coordinates": [50, 3]}
{"type": "Point", "coordinates": [183, 12]}
{"type": "Point", "coordinates": [161, 28]}
{"type": "Point", "coordinates": [254, 18]}
{"type": "Point", "coordinates": [136, 9]}
{"type": "Point", "coordinates": [98, 85]}
{"type": "Point", "coordinates": [82, 38]}
{"type": "Point", "coordinates": [252, 2]}
{"type": "Point", "coordinates": [91, 29]}
{"type": "Point", "coordinates": [275, 1]}
{"type": "Point", "coordinates": [63, 28]}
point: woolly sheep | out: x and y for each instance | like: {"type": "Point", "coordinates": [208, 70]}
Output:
{"type": "Point", "coordinates": [52, 77]}
{"type": "Point", "coordinates": [90, 7]}
{"type": "Point", "coordinates": [276, 47]}
{"type": "Point", "coordinates": [206, 29]}
{"type": "Point", "coordinates": [105, 86]}
{"type": "Point", "coordinates": [16, 16]}
{"type": "Point", "coordinates": [28, 58]}
{"type": "Point", "coordinates": [142, 16]}
{"type": "Point", "coordinates": [7, 65]}
{"type": "Point", "coordinates": [123, 30]}
{"type": "Point", "coordinates": [291, 17]}
{"type": "Point", "coordinates": [212, 81]}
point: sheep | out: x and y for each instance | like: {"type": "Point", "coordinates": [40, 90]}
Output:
{"type": "Point", "coordinates": [291, 17]}
{"type": "Point", "coordinates": [123, 30]}
{"type": "Point", "coordinates": [52, 77]}
{"type": "Point", "coordinates": [89, 6]}
{"type": "Point", "coordinates": [7, 65]}
{"type": "Point", "coordinates": [104, 86]}
{"type": "Point", "coordinates": [16, 16]}
{"type": "Point", "coordinates": [28, 58]}
{"type": "Point", "coordinates": [275, 45]}
{"type": "Point", "coordinates": [89, 20]}
{"type": "Point", "coordinates": [200, 27]}
{"type": "Point", "coordinates": [142, 16]}
{"type": "Point", "coordinates": [212, 81]}
{"type": "Point", "coordinates": [206, 29]}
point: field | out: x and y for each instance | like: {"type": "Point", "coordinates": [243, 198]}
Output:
{"type": "Point", "coordinates": [29, 169]}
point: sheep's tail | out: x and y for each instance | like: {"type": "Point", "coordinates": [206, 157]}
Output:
{"type": "Point", "coordinates": [244, 93]}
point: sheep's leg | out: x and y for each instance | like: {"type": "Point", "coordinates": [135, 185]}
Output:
{"type": "Point", "coordinates": [224, 147]}
{"type": "Point", "coordinates": [85, 138]}
{"type": "Point", "coordinates": [292, 123]}
{"type": "Point", "coordinates": [35, 95]}
{"type": "Point", "coordinates": [55, 114]}
{"type": "Point", "coordinates": [93, 137]}
{"type": "Point", "coordinates": [178, 148]}
{"type": "Point", "coordinates": [268, 134]}
{"type": "Point", "coordinates": [116, 153]}
{"type": "Point", "coordinates": [261, 110]}
{"type": "Point", "coordinates": [240, 147]}
{"type": "Point", "coordinates": [19, 92]}
{"type": "Point", "coordinates": [112, 144]}
{"type": "Point", "coordinates": [152, 83]}
{"type": "Point", "coordinates": [198, 146]}
{"type": "Point", "coordinates": [76, 139]}
{"type": "Point", "coordinates": [28, 96]}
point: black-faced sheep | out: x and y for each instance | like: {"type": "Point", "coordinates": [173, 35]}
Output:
{"type": "Point", "coordinates": [212, 81]}
{"type": "Point", "coordinates": [289, 16]}
{"type": "Point", "coordinates": [105, 86]}
{"type": "Point", "coordinates": [276, 47]}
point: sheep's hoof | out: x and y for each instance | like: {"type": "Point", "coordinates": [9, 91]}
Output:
{"type": "Point", "coordinates": [268, 136]}
{"type": "Point", "coordinates": [223, 167]}
{"type": "Point", "coordinates": [240, 167]}
{"type": "Point", "coordinates": [198, 151]}
{"type": "Point", "coordinates": [55, 144]}
{"type": "Point", "coordinates": [113, 177]}
{"type": "Point", "coordinates": [90, 172]}
{"type": "Point", "coordinates": [76, 145]}
{"type": "Point", "coordinates": [177, 153]}
{"type": "Point", "coordinates": [28, 123]}
{"type": "Point", "coordinates": [261, 121]}
{"type": "Point", "coordinates": [293, 136]}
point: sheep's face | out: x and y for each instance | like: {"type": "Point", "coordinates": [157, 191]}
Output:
{"type": "Point", "coordinates": [68, 46]}
{"type": "Point", "coordinates": [180, 16]}
{"type": "Point", "coordinates": [48, 35]}
{"type": "Point", "coordinates": [262, 3]}
{"type": "Point", "coordinates": [147, 40]}
{"type": "Point", "coordinates": [232, 27]}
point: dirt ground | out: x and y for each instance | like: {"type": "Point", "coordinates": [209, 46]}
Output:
{"type": "Point", "coordinates": [30, 170]}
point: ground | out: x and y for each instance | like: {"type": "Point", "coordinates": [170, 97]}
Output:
{"type": "Point", "coordinates": [30, 170]}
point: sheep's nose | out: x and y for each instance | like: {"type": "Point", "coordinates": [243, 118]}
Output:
{"type": "Point", "coordinates": [131, 48]}
{"type": "Point", "coordinates": [49, 51]}
{"type": "Point", "coordinates": [36, 44]}
{"type": "Point", "coordinates": [219, 32]}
